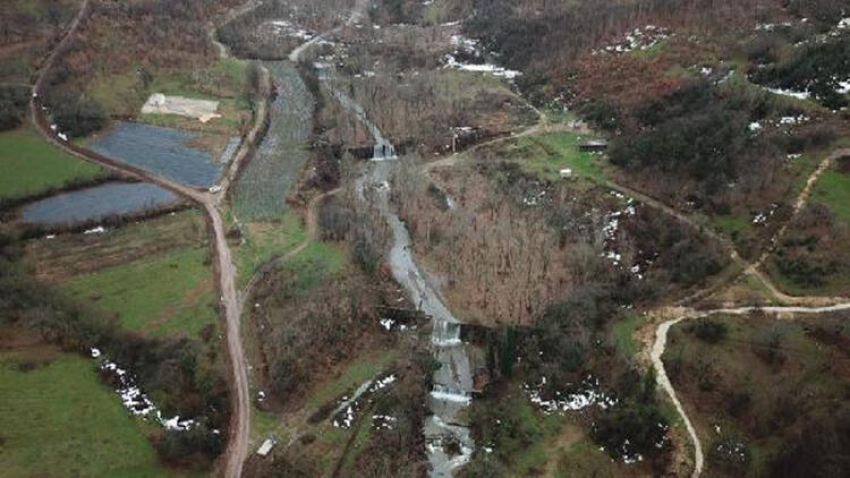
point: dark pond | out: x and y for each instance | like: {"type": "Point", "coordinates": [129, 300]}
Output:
{"type": "Point", "coordinates": [110, 199]}
{"type": "Point", "coordinates": [159, 150]}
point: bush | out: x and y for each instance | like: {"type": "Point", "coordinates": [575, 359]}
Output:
{"type": "Point", "coordinates": [194, 447]}
{"type": "Point", "coordinates": [76, 114]}
{"type": "Point", "coordinates": [820, 450]}
{"type": "Point", "coordinates": [709, 331]}
{"type": "Point", "coordinates": [631, 430]}
{"type": "Point", "coordinates": [816, 68]}
{"type": "Point", "coordinates": [13, 106]}
{"type": "Point", "coordinates": [697, 130]}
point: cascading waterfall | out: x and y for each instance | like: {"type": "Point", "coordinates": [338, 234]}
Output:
{"type": "Point", "coordinates": [453, 384]}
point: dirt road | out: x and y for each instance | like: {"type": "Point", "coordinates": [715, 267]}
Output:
{"type": "Point", "coordinates": [311, 236]}
{"type": "Point", "coordinates": [240, 417]}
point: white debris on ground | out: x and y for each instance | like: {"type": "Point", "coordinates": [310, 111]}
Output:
{"type": "Point", "coordinates": [135, 400]}
{"type": "Point", "coordinates": [470, 47]}
{"type": "Point", "coordinates": [793, 120]}
{"type": "Point", "coordinates": [382, 383]}
{"type": "Point", "coordinates": [588, 395]}
{"type": "Point", "coordinates": [346, 420]}
{"type": "Point", "coordinates": [345, 414]}
{"type": "Point", "coordinates": [202, 110]}
{"type": "Point", "coordinates": [285, 28]}
{"type": "Point", "coordinates": [843, 24]}
{"type": "Point", "coordinates": [639, 39]}
{"type": "Point", "coordinates": [800, 95]}
{"type": "Point", "coordinates": [755, 126]}
{"type": "Point", "coordinates": [387, 324]}
{"type": "Point", "coordinates": [96, 230]}
{"type": "Point", "coordinates": [761, 218]}
{"type": "Point", "coordinates": [383, 422]}
{"type": "Point", "coordinates": [59, 134]}
{"type": "Point", "coordinates": [488, 68]}
{"type": "Point", "coordinates": [534, 199]}
{"type": "Point", "coordinates": [732, 449]}
{"type": "Point", "coordinates": [769, 27]}
{"type": "Point", "coordinates": [261, 396]}
{"type": "Point", "coordinates": [609, 232]}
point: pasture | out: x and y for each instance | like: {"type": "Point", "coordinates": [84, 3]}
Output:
{"type": "Point", "coordinates": [31, 165]}
{"type": "Point", "coordinates": [546, 155]}
{"type": "Point", "coordinates": [123, 95]}
{"type": "Point", "coordinates": [60, 421]}
{"type": "Point", "coordinates": [68, 255]}
{"type": "Point", "coordinates": [162, 295]}
{"type": "Point", "coordinates": [266, 240]}
{"type": "Point", "coordinates": [742, 380]}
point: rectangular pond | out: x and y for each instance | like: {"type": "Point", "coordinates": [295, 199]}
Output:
{"type": "Point", "coordinates": [110, 199]}
{"type": "Point", "coordinates": [159, 150]}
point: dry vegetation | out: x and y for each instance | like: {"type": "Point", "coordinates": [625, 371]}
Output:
{"type": "Point", "coordinates": [767, 394]}
{"type": "Point", "coordinates": [511, 245]}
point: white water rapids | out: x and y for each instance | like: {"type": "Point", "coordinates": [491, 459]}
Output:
{"type": "Point", "coordinates": [452, 392]}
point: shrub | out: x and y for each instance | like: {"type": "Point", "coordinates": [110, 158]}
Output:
{"type": "Point", "coordinates": [817, 68]}
{"type": "Point", "coordinates": [196, 446]}
{"type": "Point", "coordinates": [76, 114]}
{"type": "Point", "coordinates": [632, 429]}
{"type": "Point", "coordinates": [697, 130]}
{"type": "Point", "coordinates": [709, 331]}
{"type": "Point", "coordinates": [820, 450]}
{"type": "Point", "coordinates": [13, 106]}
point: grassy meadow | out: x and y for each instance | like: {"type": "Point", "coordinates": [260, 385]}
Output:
{"type": "Point", "coordinates": [31, 165]}
{"type": "Point", "coordinates": [59, 421]}
{"type": "Point", "coordinates": [162, 295]}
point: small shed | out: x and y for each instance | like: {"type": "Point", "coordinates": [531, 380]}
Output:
{"type": "Point", "coordinates": [593, 146]}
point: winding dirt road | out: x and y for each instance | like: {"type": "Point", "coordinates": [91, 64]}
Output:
{"type": "Point", "coordinates": [670, 316]}
{"type": "Point", "coordinates": [800, 306]}
{"type": "Point", "coordinates": [237, 449]}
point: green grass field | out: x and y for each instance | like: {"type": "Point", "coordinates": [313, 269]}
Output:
{"type": "Point", "coordinates": [732, 225]}
{"type": "Point", "coordinates": [546, 155]}
{"type": "Point", "coordinates": [833, 189]}
{"type": "Point", "coordinates": [354, 375]}
{"type": "Point", "coordinates": [623, 332]}
{"type": "Point", "coordinates": [31, 165]}
{"type": "Point", "coordinates": [586, 459]}
{"type": "Point", "coordinates": [59, 421]}
{"type": "Point", "coordinates": [124, 94]}
{"type": "Point", "coordinates": [162, 295]}
{"type": "Point", "coordinates": [809, 367]}
{"type": "Point", "coordinates": [265, 240]}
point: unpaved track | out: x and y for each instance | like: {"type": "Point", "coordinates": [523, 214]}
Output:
{"type": "Point", "coordinates": [357, 15]}
{"type": "Point", "coordinates": [237, 449]}
{"type": "Point", "coordinates": [312, 235]}
{"type": "Point", "coordinates": [794, 305]}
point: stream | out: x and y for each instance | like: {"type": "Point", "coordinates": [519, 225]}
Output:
{"type": "Point", "coordinates": [453, 384]}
